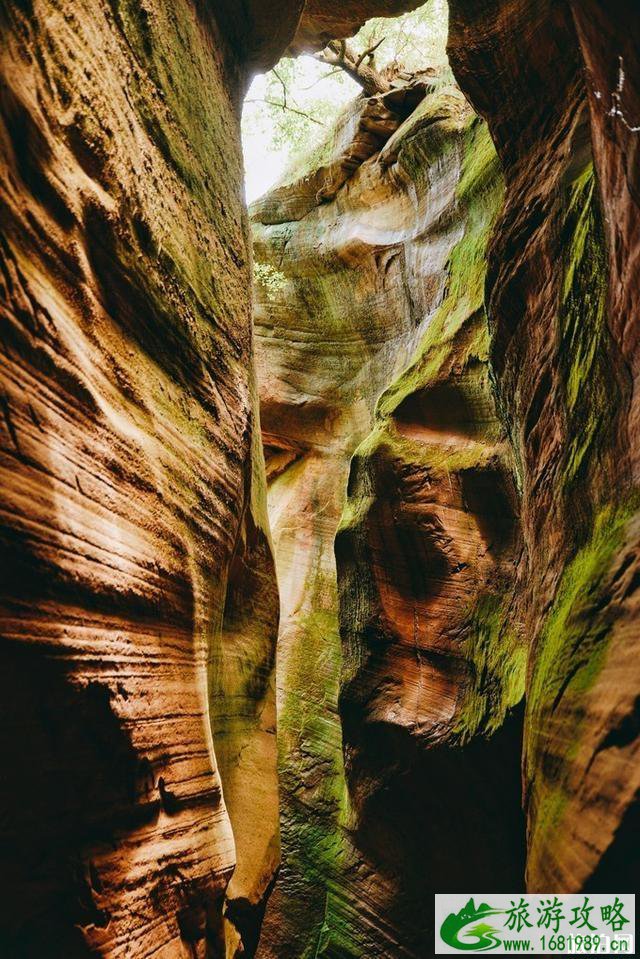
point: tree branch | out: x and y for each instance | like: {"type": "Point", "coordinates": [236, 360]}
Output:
{"type": "Point", "coordinates": [282, 83]}
{"type": "Point", "coordinates": [369, 53]}
{"type": "Point", "coordinates": [325, 76]}
{"type": "Point", "coordinates": [285, 106]}
{"type": "Point", "coordinates": [337, 53]}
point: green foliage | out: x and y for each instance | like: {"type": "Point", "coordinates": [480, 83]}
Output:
{"type": "Point", "coordinates": [290, 89]}
{"type": "Point", "coordinates": [293, 107]}
{"type": "Point", "coordinates": [415, 40]}
{"type": "Point", "coordinates": [271, 280]}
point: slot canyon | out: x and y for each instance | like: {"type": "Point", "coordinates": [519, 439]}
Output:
{"type": "Point", "coordinates": [320, 513]}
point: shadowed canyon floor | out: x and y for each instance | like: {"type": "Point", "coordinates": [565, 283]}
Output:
{"type": "Point", "coordinates": [308, 614]}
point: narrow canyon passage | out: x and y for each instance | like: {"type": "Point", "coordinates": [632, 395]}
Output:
{"type": "Point", "coordinates": [319, 599]}
{"type": "Point", "coordinates": [378, 656]}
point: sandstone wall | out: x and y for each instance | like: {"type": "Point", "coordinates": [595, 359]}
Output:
{"type": "Point", "coordinates": [453, 364]}
{"type": "Point", "coordinates": [562, 292]}
{"type": "Point", "coordinates": [139, 603]}
{"type": "Point", "coordinates": [134, 530]}
{"type": "Point", "coordinates": [487, 549]}
{"type": "Point", "coordinates": [375, 283]}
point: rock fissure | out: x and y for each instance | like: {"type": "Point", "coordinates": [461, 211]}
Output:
{"type": "Point", "coordinates": [320, 600]}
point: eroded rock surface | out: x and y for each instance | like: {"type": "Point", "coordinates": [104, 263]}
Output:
{"type": "Point", "coordinates": [357, 284]}
{"type": "Point", "coordinates": [133, 505]}
{"type": "Point", "coordinates": [481, 477]}
{"type": "Point", "coordinates": [487, 551]}
{"type": "Point", "coordinates": [139, 603]}
{"type": "Point", "coordinates": [562, 298]}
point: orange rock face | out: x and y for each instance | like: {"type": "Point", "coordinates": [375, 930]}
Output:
{"type": "Point", "coordinates": [487, 553]}
{"type": "Point", "coordinates": [139, 604]}
{"type": "Point", "coordinates": [380, 427]}
{"type": "Point", "coordinates": [450, 398]}
{"type": "Point", "coordinates": [134, 534]}
{"type": "Point", "coordinates": [558, 87]}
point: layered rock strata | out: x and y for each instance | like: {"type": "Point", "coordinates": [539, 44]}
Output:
{"type": "Point", "coordinates": [559, 88]}
{"type": "Point", "coordinates": [138, 598]}
{"type": "Point", "coordinates": [134, 531]}
{"type": "Point", "coordinates": [487, 552]}
{"type": "Point", "coordinates": [379, 282]}
{"type": "Point", "coordinates": [139, 603]}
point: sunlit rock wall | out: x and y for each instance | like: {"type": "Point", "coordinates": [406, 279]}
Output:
{"type": "Point", "coordinates": [487, 551]}
{"type": "Point", "coordinates": [139, 605]}
{"type": "Point", "coordinates": [138, 598]}
{"type": "Point", "coordinates": [350, 292]}
{"type": "Point", "coordinates": [433, 665]}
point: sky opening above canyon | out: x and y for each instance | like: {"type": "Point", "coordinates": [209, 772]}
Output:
{"type": "Point", "coordinates": [291, 109]}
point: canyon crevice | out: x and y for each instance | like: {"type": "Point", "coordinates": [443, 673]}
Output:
{"type": "Point", "coordinates": [139, 602]}
{"type": "Point", "coordinates": [381, 422]}
{"type": "Point", "coordinates": [311, 613]}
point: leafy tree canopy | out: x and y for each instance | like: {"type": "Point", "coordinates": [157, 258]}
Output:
{"type": "Point", "coordinates": [289, 110]}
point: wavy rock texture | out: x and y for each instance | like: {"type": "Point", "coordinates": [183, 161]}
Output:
{"type": "Point", "coordinates": [322, 21]}
{"type": "Point", "coordinates": [562, 295]}
{"type": "Point", "coordinates": [138, 599]}
{"type": "Point", "coordinates": [357, 283]}
{"type": "Point", "coordinates": [138, 583]}
{"type": "Point", "coordinates": [433, 665]}
{"type": "Point", "coordinates": [139, 604]}
{"type": "Point", "coordinates": [487, 550]}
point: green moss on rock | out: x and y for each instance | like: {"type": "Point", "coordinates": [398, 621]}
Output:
{"type": "Point", "coordinates": [570, 655]}
{"type": "Point", "coordinates": [498, 660]}
{"type": "Point", "coordinates": [479, 193]}
{"type": "Point", "coordinates": [584, 347]}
